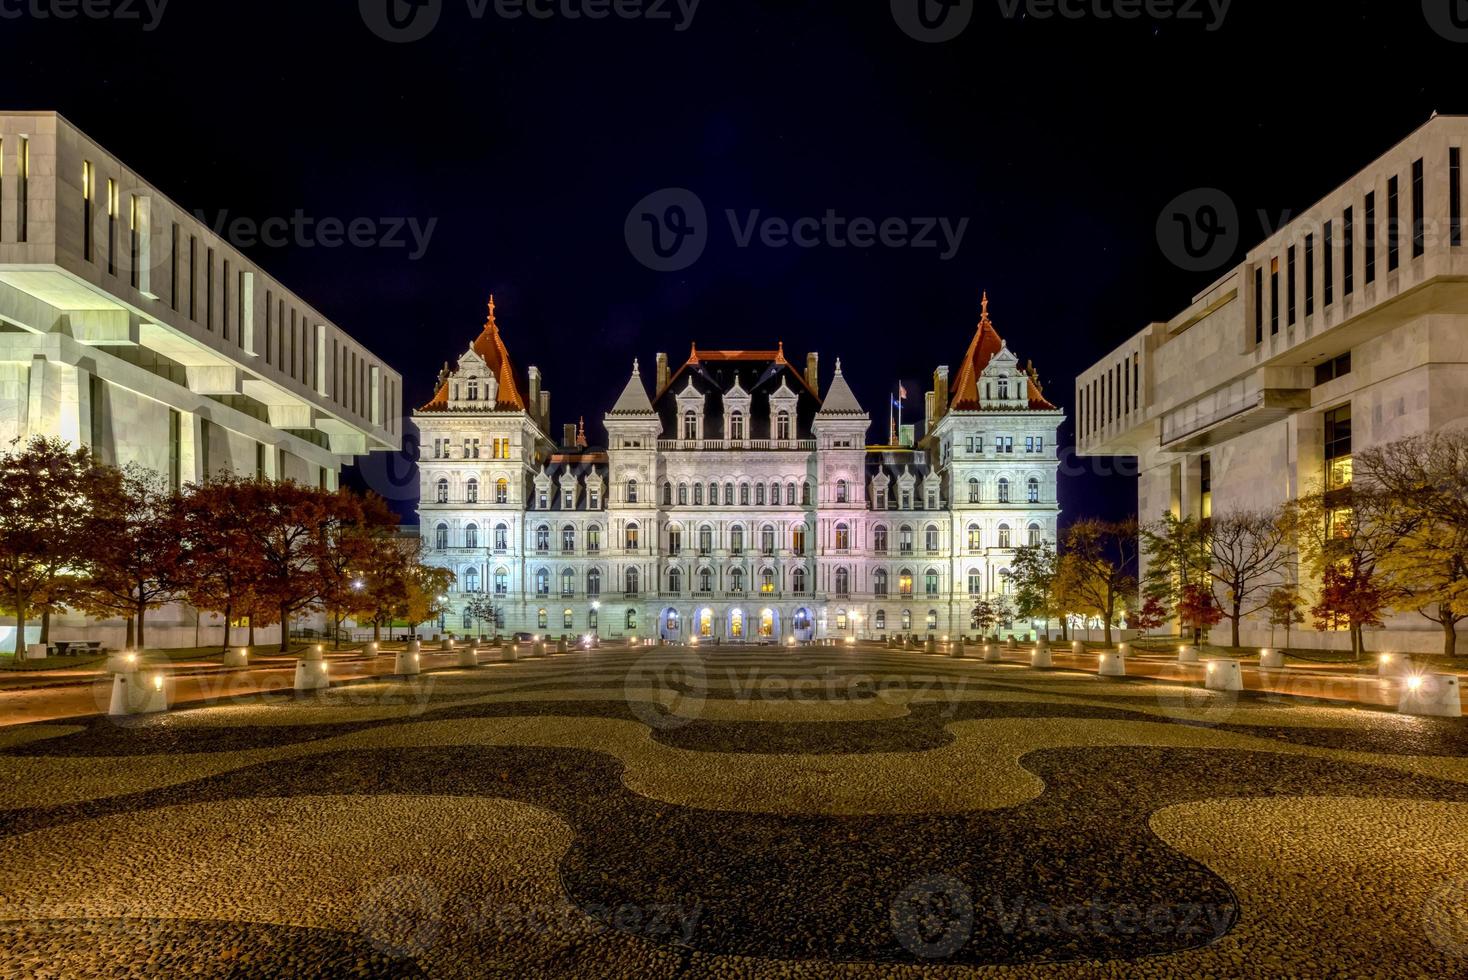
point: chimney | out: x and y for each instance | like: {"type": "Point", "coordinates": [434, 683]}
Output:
{"type": "Point", "coordinates": [662, 374]}
{"type": "Point", "coordinates": [813, 372]}
{"type": "Point", "coordinates": [533, 402]}
{"type": "Point", "coordinates": [940, 398]}
{"type": "Point", "coordinates": [930, 422]}
{"type": "Point", "coordinates": [568, 436]}
{"type": "Point", "coordinates": [545, 410]}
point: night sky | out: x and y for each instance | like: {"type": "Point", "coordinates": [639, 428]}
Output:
{"type": "Point", "coordinates": [528, 142]}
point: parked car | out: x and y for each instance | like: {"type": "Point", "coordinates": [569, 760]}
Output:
{"type": "Point", "coordinates": [524, 637]}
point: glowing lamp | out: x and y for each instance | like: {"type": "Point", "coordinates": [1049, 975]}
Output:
{"type": "Point", "coordinates": [158, 682]}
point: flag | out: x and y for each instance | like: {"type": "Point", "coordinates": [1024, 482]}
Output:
{"type": "Point", "coordinates": [901, 392]}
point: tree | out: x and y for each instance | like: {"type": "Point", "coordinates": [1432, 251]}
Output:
{"type": "Point", "coordinates": [386, 581]}
{"type": "Point", "coordinates": [1152, 615]}
{"type": "Point", "coordinates": [346, 542]}
{"type": "Point", "coordinates": [1422, 483]}
{"type": "Point", "coordinates": [1178, 556]}
{"type": "Point", "coordinates": [219, 569]}
{"type": "Point", "coordinates": [481, 608]}
{"type": "Point", "coordinates": [1036, 569]}
{"type": "Point", "coordinates": [47, 494]}
{"type": "Point", "coordinates": [285, 523]}
{"type": "Point", "coordinates": [1104, 553]}
{"type": "Point", "coordinates": [427, 593]}
{"type": "Point", "coordinates": [1198, 611]}
{"type": "Point", "coordinates": [137, 547]}
{"type": "Point", "coordinates": [1342, 535]}
{"type": "Point", "coordinates": [1249, 557]}
{"type": "Point", "coordinates": [1284, 605]}
{"type": "Point", "coordinates": [985, 616]}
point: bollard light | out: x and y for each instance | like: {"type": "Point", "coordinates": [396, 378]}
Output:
{"type": "Point", "coordinates": [1414, 683]}
{"type": "Point", "coordinates": [157, 682]}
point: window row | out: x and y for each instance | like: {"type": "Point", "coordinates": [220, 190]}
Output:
{"type": "Point", "coordinates": [1003, 491]}
{"type": "Point", "coordinates": [745, 495]}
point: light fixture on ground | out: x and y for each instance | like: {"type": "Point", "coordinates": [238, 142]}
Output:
{"type": "Point", "coordinates": [237, 657]}
{"type": "Point", "coordinates": [992, 654]}
{"type": "Point", "coordinates": [1223, 675]}
{"type": "Point", "coordinates": [121, 663]}
{"type": "Point", "coordinates": [469, 656]}
{"type": "Point", "coordinates": [1271, 659]}
{"type": "Point", "coordinates": [409, 663]}
{"type": "Point", "coordinates": [312, 671]}
{"type": "Point", "coordinates": [1393, 665]}
{"type": "Point", "coordinates": [1113, 663]}
{"type": "Point", "coordinates": [1041, 658]}
{"type": "Point", "coordinates": [1187, 654]}
{"type": "Point", "coordinates": [1078, 648]}
{"type": "Point", "coordinates": [137, 693]}
{"type": "Point", "coordinates": [1431, 695]}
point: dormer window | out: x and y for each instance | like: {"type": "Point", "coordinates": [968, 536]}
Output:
{"type": "Point", "coordinates": [690, 425]}
{"type": "Point", "coordinates": [736, 426]}
{"type": "Point", "coordinates": [1004, 389]}
{"type": "Point", "coordinates": [782, 427]}
{"type": "Point", "coordinates": [472, 390]}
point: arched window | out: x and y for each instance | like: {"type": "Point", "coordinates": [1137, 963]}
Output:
{"type": "Point", "coordinates": [471, 580]}
{"type": "Point", "coordinates": [682, 495]}
{"type": "Point", "coordinates": [906, 620]}
{"type": "Point", "coordinates": [713, 495]}
{"type": "Point", "coordinates": [880, 620]}
{"type": "Point", "coordinates": [1034, 536]}
{"type": "Point", "coordinates": [1034, 490]}
{"type": "Point", "coordinates": [974, 496]}
{"type": "Point", "coordinates": [568, 539]}
{"type": "Point", "coordinates": [975, 582]}
{"type": "Point", "coordinates": [632, 581]}
{"type": "Point", "coordinates": [593, 539]}
{"type": "Point", "coordinates": [759, 495]}
{"type": "Point", "coordinates": [542, 538]}
{"type": "Point", "coordinates": [767, 581]}
{"type": "Point", "coordinates": [501, 537]}
{"type": "Point", "coordinates": [471, 536]}
{"type": "Point", "coordinates": [1004, 536]}
{"type": "Point", "coordinates": [930, 582]}
{"type": "Point", "coordinates": [443, 491]}
{"type": "Point", "coordinates": [706, 540]}
{"type": "Point", "coordinates": [1006, 582]}
{"type": "Point", "coordinates": [736, 580]}
{"type": "Point", "coordinates": [797, 542]}
{"type": "Point", "coordinates": [631, 491]}
{"type": "Point", "coordinates": [736, 426]}
{"type": "Point", "coordinates": [841, 491]}
{"type": "Point", "coordinates": [1004, 389]}
{"type": "Point", "coordinates": [667, 494]}
{"type": "Point", "coordinates": [501, 581]}
{"type": "Point", "coordinates": [782, 426]}
{"type": "Point", "coordinates": [797, 581]}
{"type": "Point", "coordinates": [698, 494]}
{"type": "Point", "coordinates": [904, 539]}
{"type": "Point", "coordinates": [705, 580]}
{"type": "Point", "coordinates": [542, 582]}
{"type": "Point", "coordinates": [774, 495]}
{"type": "Point", "coordinates": [843, 582]}
{"type": "Point", "coordinates": [879, 539]}
{"type": "Point", "coordinates": [690, 425]}
{"type": "Point", "coordinates": [975, 538]}
{"type": "Point", "coordinates": [568, 584]}
{"type": "Point", "coordinates": [593, 583]}
{"type": "Point", "coordinates": [631, 619]}
{"type": "Point", "coordinates": [441, 537]}
{"type": "Point", "coordinates": [502, 491]}
{"type": "Point", "coordinates": [542, 619]}
{"type": "Point", "coordinates": [790, 494]}
{"type": "Point", "coordinates": [805, 495]}
{"type": "Point", "coordinates": [631, 536]}
{"type": "Point", "coordinates": [904, 582]}
{"type": "Point", "coordinates": [568, 619]}
{"type": "Point", "coordinates": [472, 491]}
{"type": "Point", "coordinates": [879, 582]}
{"type": "Point", "coordinates": [932, 619]}
{"type": "Point", "coordinates": [744, 495]}
{"type": "Point", "coordinates": [736, 539]}
{"type": "Point", "coordinates": [930, 538]}
{"type": "Point", "coordinates": [767, 540]}
{"type": "Point", "coordinates": [728, 495]}
{"type": "Point", "coordinates": [675, 581]}
{"type": "Point", "coordinates": [1003, 490]}
{"type": "Point", "coordinates": [675, 539]}
{"type": "Point", "coordinates": [843, 537]}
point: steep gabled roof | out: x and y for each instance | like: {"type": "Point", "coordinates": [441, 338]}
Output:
{"type": "Point", "coordinates": [490, 346]}
{"type": "Point", "coordinates": [634, 400]}
{"type": "Point", "coordinates": [840, 399]}
{"type": "Point", "coordinates": [981, 351]}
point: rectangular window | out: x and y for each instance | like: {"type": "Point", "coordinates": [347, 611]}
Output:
{"type": "Point", "coordinates": [1338, 447]}
{"type": "Point", "coordinates": [269, 331]}
{"type": "Point", "coordinates": [1455, 194]}
{"type": "Point", "coordinates": [1348, 252]}
{"type": "Point", "coordinates": [193, 279]}
{"type": "Point", "coordinates": [1393, 225]}
{"type": "Point", "coordinates": [1329, 262]}
{"type": "Point", "coordinates": [1291, 287]}
{"type": "Point", "coordinates": [1309, 275]}
{"type": "Point", "coordinates": [87, 211]}
{"type": "Point", "coordinates": [224, 301]}
{"type": "Point", "coordinates": [1259, 306]}
{"type": "Point", "coordinates": [113, 204]}
{"type": "Point", "coordinates": [175, 449]}
{"type": "Point", "coordinates": [1205, 483]}
{"type": "Point", "coordinates": [1419, 210]}
{"type": "Point", "coordinates": [23, 177]}
{"type": "Point", "coordinates": [1337, 367]}
{"type": "Point", "coordinates": [259, 460]}
{"type": "Point", "coordinates": [209, 290]}
{"type": "Point", "coordinates": [135, 241]}
{"type": "Point", "coordinates": [1370, 233]}
{"type": "Point", "coordinates": [173, 269]}
{"type": "Point", "coordinates": [1273, 300]}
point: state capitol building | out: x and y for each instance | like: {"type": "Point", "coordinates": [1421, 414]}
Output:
{"type": "Point", "coordinates": [735, 499]}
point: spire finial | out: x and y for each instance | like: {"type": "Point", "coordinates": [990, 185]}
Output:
{"type": "Point", "coordinates": [635, 369]}
{"type": "Point", "coordinates": [985, 318]}
{"type": "Point", "coordinates": [581, 434]}
{"type": "Point", "coordinates": [838, 365]}
{"type": "Point", "coordinates": [693, 355]}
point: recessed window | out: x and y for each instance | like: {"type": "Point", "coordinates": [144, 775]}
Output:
{"type": "Point", "coordinates": [1337, 367]}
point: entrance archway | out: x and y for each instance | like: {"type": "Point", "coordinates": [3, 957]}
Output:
{"type": "Point", "coordinates": [804, 624]}
{"type": "Point", "coordinates": [706, 624]}
{"type": "Point", "coordinates": [670, 625]}
{"type": "Point", "coordinates": [737, 625]}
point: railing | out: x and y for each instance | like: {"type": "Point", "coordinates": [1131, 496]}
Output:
{"type": "Point", "coordinates": [740, 445]}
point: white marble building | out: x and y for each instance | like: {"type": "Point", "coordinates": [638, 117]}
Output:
{"type": "Point", "coordinates": [128, 327]}
{"type": "Point", "coordinates": [735, 500]}
{"type": "Point", "coordinates": [1347, 328]}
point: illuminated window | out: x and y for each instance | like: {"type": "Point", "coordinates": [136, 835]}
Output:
{"type": "Point", "coordinates": [904, 582]}
{"type": "Point", "coordinates": [843, 537]}
{"type": "Point", "coordinates": [502, 491]}
{"type": "Point", "coordinates": [1338, 447]}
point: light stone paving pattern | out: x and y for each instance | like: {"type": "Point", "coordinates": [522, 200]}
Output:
{"type": "Point", "coordinates": [738, 813]}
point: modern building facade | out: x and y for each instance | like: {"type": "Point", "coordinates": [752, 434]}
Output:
{"type": "Point", "coordinates": [1348, 328]}
{"type": "Point", "coordinates": [130, 328]}
{"type": "Point", "coordinates": [735, 498]}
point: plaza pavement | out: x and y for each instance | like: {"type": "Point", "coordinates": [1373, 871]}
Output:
{"type": "Point", "coordinates": [844, 811]}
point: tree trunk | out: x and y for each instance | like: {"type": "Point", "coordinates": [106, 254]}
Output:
{"type": "Point", "coordinates": [46, 625]}
{"type": "Point", "coordinates": [228, 608]}
{"type": "Point", "coordinates": [377, 631]}
{"type": "Point", "coordinates": [250, 636]}
{"type": "Point", "coordinates": [337, 630]}
{"type": "Point", "coordinates": [19, 623]}
{"type": "Point", "coordinates": [285, 630]}
{"type": "Point", "coordinates": [131, 634]}
{"type": "Point", "coordinates": [1358, 642]}
{"type": "Point", "coordinates": [142, 639]}
{"type": "Point", "coordinates": [1238, 614]}
{"type": "Point", "coordinates": [1450, 637]}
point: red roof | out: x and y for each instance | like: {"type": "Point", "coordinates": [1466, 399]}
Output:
{"type": "Point", "coordinates": [490, 346]}
{"type": "Point", "coordinates": [697, 356]}
{"type": "Point", "coordinates": [986, 344]}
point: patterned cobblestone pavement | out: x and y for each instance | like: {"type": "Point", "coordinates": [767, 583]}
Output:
{"type": "Point", "coordinates": [670, 812]}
